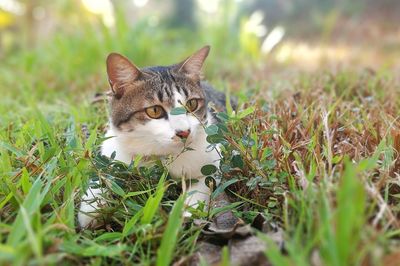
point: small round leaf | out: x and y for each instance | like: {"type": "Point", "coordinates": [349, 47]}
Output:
{"type": "Point", "coordinates": [208, 169]}
{"type": "Point", "coordinates": [211, 130]}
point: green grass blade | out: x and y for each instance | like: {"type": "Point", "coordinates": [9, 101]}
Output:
{"type": "Point", "coordinates": [170, 236]}
{"type": "Point", "coordinates": [152, 204]}
{"type": "Point", "coordinates": [350, 213]}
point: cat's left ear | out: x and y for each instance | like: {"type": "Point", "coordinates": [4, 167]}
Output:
{"type": "Point", "coordinates": [193, 64]}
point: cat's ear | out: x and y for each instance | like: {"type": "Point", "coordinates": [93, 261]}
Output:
{"type": "Point", "coordinates": [120, 71]}
{"type": "Point", "coordinates": [193, 64]}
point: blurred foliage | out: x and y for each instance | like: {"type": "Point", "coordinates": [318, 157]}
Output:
{"type": "Point", "coordinates": [40, 20]}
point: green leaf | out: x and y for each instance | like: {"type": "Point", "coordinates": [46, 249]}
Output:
{"type": "Point", "coordinates": [178, 111]}
{"type": "Point", "coordinates": [117, 189]}
{"type": "Point", "coordinates": [7, 252]}
{"type": "Point", "coordinates": [91, 140]}
{"type": "Point", "coordinates": [12, 149]}
{"type": "Point", "coordinates": [30, 205]}
{"type": "Point", "coordinates": [109, 236]}
{"type": "Point", "coordinates": [222, 116]}
{"type": "Point", "coordinates": [225, 168]}
{"type": "Point", "coordinates": [153, 203]}
{"type": "Point", "coordinates": [237, 161]}
{"type": "Point", "coordinates": [350, 218]}
{"type": "Point", "coordinates": [225, 257]}
{"type": "Point", "coordinates": [231, 206]}
{"type": "Point", "coordinates": [214, 139]}
{"type": "Point", "coordinates": [131, 223]}
{"type": "Point", "coordinates": [246, 112]}
{"type": "Point", "coordinates": [103, 250]}
{"type": "Point", "coordinates": [34, 239]}
{"type": "Point", "coordinates": [228, 104]}
{"type": "Point", "coordinates": [222, 187]}
{"type": "Point", "coordinates": [222, 127]}
{"type": "Point", "coordinates": [211, 130]}
{"type": "Point", "coordinates": [136, 193]}
{"type": "Point", "coordinates": [6, 199]}
{"type": "Point", "coordinates": [253, 182]}
{"type": "Point", "coordinates": [170, 235]}
{"type": "Point", "coordinates": [25, 182]}
{"type": "Point", "coordinates": [208, 169]}
{"type": "Point", "coordinates": [266, 153]}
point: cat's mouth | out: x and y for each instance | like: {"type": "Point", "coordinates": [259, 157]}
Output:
{"type": "Point", "coordinates": [182, 141]}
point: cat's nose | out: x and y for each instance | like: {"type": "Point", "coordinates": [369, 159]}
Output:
{"type": "Point", "coordinates": [183, 134]}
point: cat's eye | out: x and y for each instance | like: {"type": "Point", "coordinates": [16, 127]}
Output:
{"type": "Point", "coordinates": [192, 105]}
{"type": "Point", "coordinates": [155, 112]}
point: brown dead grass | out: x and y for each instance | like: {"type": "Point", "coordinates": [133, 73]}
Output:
{"type": "Point", "coordinates": [319, 122]}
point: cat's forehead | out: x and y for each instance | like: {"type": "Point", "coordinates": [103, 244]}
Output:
{"type": "Point", "coordinates": [160, 75]}
{"type": "Point", "coordinates": [164, 84]}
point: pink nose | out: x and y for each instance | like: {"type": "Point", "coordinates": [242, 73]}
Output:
{"type": "Point", "coordinates": [182, 134]}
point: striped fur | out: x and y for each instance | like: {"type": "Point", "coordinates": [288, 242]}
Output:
{"type": "Point", "coordinates": [132, 132]}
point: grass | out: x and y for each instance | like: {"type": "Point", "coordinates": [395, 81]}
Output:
{"type": "Point", "coordinates": [320, 158]}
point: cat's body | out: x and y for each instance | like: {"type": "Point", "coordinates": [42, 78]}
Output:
{"type": "Point", "coordinates": [141, 122]}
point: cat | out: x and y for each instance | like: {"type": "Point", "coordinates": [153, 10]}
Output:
{"type": "Point", "coordinates": [141, 123]}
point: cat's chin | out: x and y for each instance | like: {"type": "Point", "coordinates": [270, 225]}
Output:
{"type": "Point", "coordinates": [173, 148]}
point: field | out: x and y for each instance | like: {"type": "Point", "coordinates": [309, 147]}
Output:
{"type": "Point", "coordinates": [316, 154]}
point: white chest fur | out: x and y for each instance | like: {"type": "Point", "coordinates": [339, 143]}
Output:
{"type": "Point", "coordinates": [190, 162]}
{"type": "Point", "coordinates": [187, 164]}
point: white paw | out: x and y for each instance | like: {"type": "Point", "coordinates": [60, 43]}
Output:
{"type": "Point", "coordinates": [87, 216]}
{"type": "Point", "coordinates": [187, 214]}
{"type": "Point", "coordinates": [88, 211]}
{"type": "Point", "coordinates": [195, 198]}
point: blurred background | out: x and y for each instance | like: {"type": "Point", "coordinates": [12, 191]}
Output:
{"type": "Point", "coordinates": [64, 42]}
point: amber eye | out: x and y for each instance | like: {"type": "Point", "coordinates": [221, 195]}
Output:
{"type": "Point", "coordinates": [192, 105]}
{"type": "Point", "coordinates": [155, 112]}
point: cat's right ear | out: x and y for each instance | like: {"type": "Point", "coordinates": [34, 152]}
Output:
{"type": "Point", "coordinates": [120, 71]}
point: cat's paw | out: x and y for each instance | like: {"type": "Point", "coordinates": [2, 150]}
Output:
{"type": "Point", "coordinates": [187, 214]}
{"type": "Point", "coordinates": [87, 216]}
{"type": "Point", "coordinates": [88, 212]}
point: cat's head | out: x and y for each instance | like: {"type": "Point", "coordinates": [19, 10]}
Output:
{"type": "Point", "coordinates": [142, 100]}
